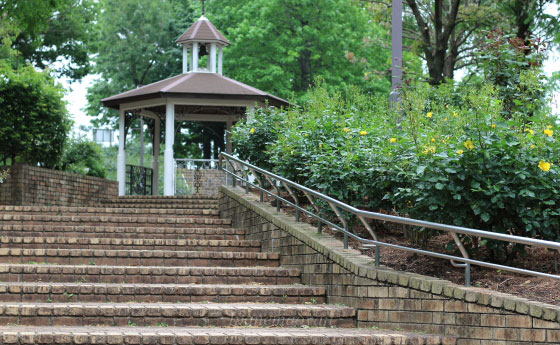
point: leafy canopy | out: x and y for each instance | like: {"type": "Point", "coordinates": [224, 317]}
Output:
{"type": "Point", "coordinates": [33, 118]}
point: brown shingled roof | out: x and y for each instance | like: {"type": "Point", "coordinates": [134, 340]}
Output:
{"type": "Point", "coordinates": [194, 84]}
{"type": "Point", "coordinates": [202, 30]}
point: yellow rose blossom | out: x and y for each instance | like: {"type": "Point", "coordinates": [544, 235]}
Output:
{"type": "Point", "coordinates": [447, 106]}
{"type": "Point", "coordinates": [429, 114]}
{"type": "Point", "coordinates": [493, 125]}
{"type": "Point", "coordinates": [530, 131]}
{"type": "Point", "coordinates": [532, 146]}
{"type": "Point", "coordinates": [433, 140]}
{"type": "Point", "coordinates": [454, 113]}
{"type": "Point", "coordinates": [548, 132]}
{"type": "Point", "coordinates": [363, 132]}
{"type": "Point", "coordinates": [252, 130]}
{"type": "Point", "coordinates": [460, 152]}
{"type": "Point", "coordinates": [544, 166]}
{"type": "Point", "coordinates": [393, 140]}
{"type": "Point", "coordinates": [468, 144]}
{"type": "Point", "coordinates": [445, 119]}
{"type": "Point", "coordinates": [346, 130]}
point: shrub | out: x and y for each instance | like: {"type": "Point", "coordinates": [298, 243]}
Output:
{"type": "Point", "coordinates": [84, 157]}
{"type": "Point", "coordinates": [451, 158]}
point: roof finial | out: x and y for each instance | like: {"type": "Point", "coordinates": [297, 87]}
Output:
{"type": "Point", "coordinates": [202, 7]}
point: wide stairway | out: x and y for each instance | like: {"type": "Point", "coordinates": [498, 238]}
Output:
{"type": "Point", "coordinates": [157, 270]}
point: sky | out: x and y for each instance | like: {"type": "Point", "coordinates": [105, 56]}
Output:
{"type": "Point", "coordinates": [76, 92]}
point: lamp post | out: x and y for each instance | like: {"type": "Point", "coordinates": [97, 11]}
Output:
{"type": "Point", "coordinates": [396, 44]}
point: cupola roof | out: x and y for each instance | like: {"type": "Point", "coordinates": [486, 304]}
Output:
{"type": "Point", "coordinates": [202, 31]}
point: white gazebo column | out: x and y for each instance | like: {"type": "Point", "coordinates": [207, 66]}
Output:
{"type": "Point", "coordinates": [220, 59]}
{"type": "Point", "coordinates": [121, 156]}
{"type": "Point", "coordinates": [185, 59]}
{"type": "Point", "coordinates": [168, 163]}
{"type": "Point", "coordinates": [228, 136]}
{"type": "Point", "coordinates": [194, 56]}
{"type": "Point", "coordinates": [212, 58]}
{"type": "Point", "coordinates": [155, 157]}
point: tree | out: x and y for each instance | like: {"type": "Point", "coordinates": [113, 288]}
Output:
{"type": "Point", "coordinates": [33, 118]}
{"type": "Point", "coordinates": [134, 42]}
{"type": "Point", "coordinates": [82, 156]}
{"type": "Point", "coordinates": [43, 32]}
{"type": "Point", "coordinates": [280, 46]}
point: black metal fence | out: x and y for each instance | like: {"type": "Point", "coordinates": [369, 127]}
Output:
{"type": "Point", "coordinates": [139, 180]}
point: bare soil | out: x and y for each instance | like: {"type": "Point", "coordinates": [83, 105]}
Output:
{"type": "Point", "coordinates": [544, 290]}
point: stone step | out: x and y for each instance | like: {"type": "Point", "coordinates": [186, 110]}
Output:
{"type": "Point", "coordinates": [148, 274]}
{"type": "Point", "coordinates": [160, 334]}
{"type": "Point", "coordinates": [155, 293]}
{"type": "Point", "coordinates": [189, 314]}
{"type": "Point", "coordinates": [9, 219]}
{"type": "Point", "coordinates": [129, 243]}
{"type": "Point", "coordinates": [6, 211]}
{"type": "Point", "coordinates": [42, 230]}
{"type": "Point", "coordinates": [167, 197]}
{"type": "Point", "coordinates": [165, 206]}
{"type": "Point", "coordinates": [137, 257]}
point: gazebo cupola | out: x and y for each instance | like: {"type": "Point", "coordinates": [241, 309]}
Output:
{"type": "Point", "coordinates": [202, 39]}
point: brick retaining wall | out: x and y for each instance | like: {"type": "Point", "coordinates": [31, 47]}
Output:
{"type": "Point", "coordinates": [390, 299]}
{"type": "Point", "coordinates": [27, 185]}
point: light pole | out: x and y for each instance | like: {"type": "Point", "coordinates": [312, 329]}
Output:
{"type": "Point", "coordinates": [396, 44]}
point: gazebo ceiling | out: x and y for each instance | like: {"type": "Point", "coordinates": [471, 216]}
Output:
{"type": "Point", "coordinates": [195, 85]}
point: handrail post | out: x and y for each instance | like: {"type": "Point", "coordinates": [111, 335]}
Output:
{"type": "Point", "coordinates": [467, 274]}
{"type": "Point", "coordinates": [346, 233]}
{"type": "Point", "coordinates": [319, 222]}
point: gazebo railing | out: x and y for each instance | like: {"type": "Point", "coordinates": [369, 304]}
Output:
{"type": "Point", "coordinates": [139, 180]}
{"type": "Point", "coordinates": [188, 174]}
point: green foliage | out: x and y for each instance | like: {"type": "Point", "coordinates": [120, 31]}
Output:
{"type": "Point", "coordinates": [82, 156]}
{"type": "Point", "coordinates": [4, 175]}
{"type": "Point", "coordinates": [452, 158]}
{"type": "Point", "coordinates": [280, 46]}
{"type": "Point", "coordinates": [43, 32]}
{"type": "Point", "coordinates": [33, 118]}
{"type": "Point", "coordinates": [134, 41]}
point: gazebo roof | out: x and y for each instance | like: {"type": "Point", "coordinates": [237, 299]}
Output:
{"type": "Point", "coordinates": [194, 85]}
{"type": "Point", "coordinates": [202, 31]}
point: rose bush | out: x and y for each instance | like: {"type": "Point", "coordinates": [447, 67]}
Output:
{"type": "Point", "coordinates": [446, 155]}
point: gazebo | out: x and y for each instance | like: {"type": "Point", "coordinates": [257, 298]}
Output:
{"type": "Point", "coordinates": [200, 93]}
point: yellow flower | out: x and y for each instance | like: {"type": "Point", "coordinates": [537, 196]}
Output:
{"type": "Point", "coordinates": [346, 130]}
{"type": "Point", "coordinates": [548, 132]}
{"type": "Point", "coordinates": [454, 113]}
{"type": "Point", "coordinates": [429, 114]}
{"type": "Point", "coordinates": [493, 125]}
{"type": "Point", "coordinates": [393, 140]}
{"type": "Point", "coordinates": [252, 130]}
{"type": "Point", "coordinates": [390, 153]}
{"type": "Point", "coordinates": [363, 132]}
{"type": "Point", "coordinates": [460, 152]}
{"type": "Point", "coordinates": [320, 145]}
{"type": "Point", "coordinates": [532, 146]}
{"type": "Point", "coordinates": [447, 106]}
{"type": "Point", "coordinates": [549, 126]}
{"type": "Point", "coordinates": [469, 144]}
{"type": "Point", "coordinates": [430, 149]}
{"type": "Point", "coordinates": [544, 166]}
{"type": "Point", "coordinates": [433, 140]}
{"type": "Point", "coordinates": [530, 131]}
{"type": "Point", "coordinates": [445, 119]}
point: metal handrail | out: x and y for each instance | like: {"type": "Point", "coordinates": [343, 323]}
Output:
{"type": "Point", "coordinates": [244, 169]}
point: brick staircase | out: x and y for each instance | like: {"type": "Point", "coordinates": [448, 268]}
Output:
{"type": "Point", "coordinates": [157, 270]}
